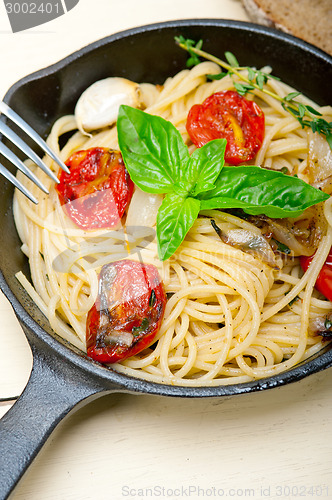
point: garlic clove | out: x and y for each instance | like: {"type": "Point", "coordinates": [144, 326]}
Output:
{"type": "Point", "coordinates": [99, 104]}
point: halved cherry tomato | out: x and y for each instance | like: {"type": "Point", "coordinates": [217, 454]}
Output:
{"type": "Point", "coordinates": [227, 115]}
{"type": "Point", "coordinates": [127, 313]}
{"type": "Point", "coordinates": [324, 280]}
{"type": "Point", "coordinates": [98, 189]}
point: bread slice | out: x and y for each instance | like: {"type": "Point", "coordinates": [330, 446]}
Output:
{"type": "Point", "coordinates": [310, 20]}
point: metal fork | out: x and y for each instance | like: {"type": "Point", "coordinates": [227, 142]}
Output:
{"type": "Point", "coordinates": [17, 141]}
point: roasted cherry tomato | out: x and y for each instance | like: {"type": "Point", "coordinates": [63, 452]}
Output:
{"type": "Point", "coordinates": [227, 115]}
{"type": "Point", "coordinates": [324, 280]}
{"type": "Point", "coordinates": [98, 189]}
{"type": "Point", "coordinates": [127, 313]}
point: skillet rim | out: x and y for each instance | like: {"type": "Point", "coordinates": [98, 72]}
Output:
{"type": "Point", "coordinates": [125, 383]}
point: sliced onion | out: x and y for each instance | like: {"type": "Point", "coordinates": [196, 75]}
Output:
{"type": "Point", "coordinates": [319, 162]}
{"type": "Point", "coordinates": [303, 234]}
{"type": "Point", "coordinates": [285, 236]}
{"type": "Point", "coordinates": [143, 209]}
{"type": "Point", "coordinates": [249, 242]}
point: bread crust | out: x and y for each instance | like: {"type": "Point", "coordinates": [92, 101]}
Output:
{"type": "Point", "coordinates": [311, 21]}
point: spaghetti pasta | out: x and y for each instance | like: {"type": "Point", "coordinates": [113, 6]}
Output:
{"type": "Point", "coordinates": [230, 317]}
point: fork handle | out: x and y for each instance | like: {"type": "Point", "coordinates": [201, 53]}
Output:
{"type": "Point", "coordinates": [54, 388]}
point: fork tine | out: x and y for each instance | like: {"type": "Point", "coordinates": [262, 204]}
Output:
{"type": "Point", "coordinates": [6, 110]}
{"type": "Point", "coordinates": [15, 139]}
{"type": "Point", "coordinates": [17, 184]}
{"type": "Point", "coordinates": [20, 165]}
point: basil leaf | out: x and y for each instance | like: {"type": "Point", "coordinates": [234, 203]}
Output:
{"type": "Point", "coordinates": [260, 191]}
{"type": "Point", "coordinates": [152, 149]}
{"type": "Point", "coordinates": [158, 161]}
{"type": "Point", "coordinates": [175, 217]}
{"type": "Point", "coordinates": [204, 167]}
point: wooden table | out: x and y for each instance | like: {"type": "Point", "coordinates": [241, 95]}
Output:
{"type": "Point", "coordinates": [275, 444]}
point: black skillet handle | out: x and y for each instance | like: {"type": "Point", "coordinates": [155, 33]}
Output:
{"type": "Point", "coordinates": [54, 388]}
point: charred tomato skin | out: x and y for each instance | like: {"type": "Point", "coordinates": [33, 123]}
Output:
{"type": "Point", "coordinates": [98, 189]}
{"type": "Point", "coordinates": [228, 115]}
{"type": "Point", "coordinates": [128, 311]}
{"type": "Point", "coordinates": [324, 280]}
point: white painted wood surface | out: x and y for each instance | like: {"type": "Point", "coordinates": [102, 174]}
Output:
{"type": "Point", "coordinates": [275, 444]}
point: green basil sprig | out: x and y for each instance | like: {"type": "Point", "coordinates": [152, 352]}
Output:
{"type": "Point", "coordinates": [158, 161]}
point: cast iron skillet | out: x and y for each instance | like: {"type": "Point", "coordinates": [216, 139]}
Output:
{"type": "Point", "coordinates": [62, 378]}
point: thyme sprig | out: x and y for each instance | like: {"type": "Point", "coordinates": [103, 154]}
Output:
{"type": "Point", "coordinates": [306, 115]}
